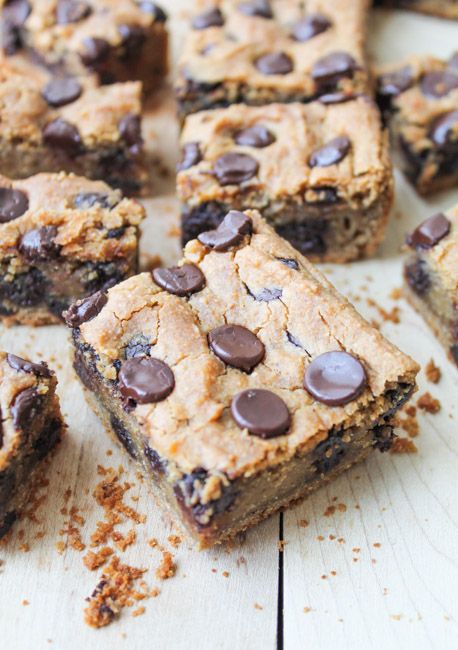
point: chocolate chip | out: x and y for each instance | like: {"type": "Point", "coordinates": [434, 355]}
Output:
{"type": "Point", "coordinates": [430, 232]}
{"type": "Point", "coordinates": [10, 38]}
{"type": "Point", "coordinates": [274, 63]}
{"type": "Point", "coordinates": [310, 26]}
{"type": "Point", "coordinates": [444, 132]}
{"type": "Point", "coordinates": [62, 135]}
{"type": "Point", "coordinates": [18, 363]}
{"type": "Point", "coordinates": [329, 69]}
{"type": "Point", "coordinates": [133, 39]}
{"type": "Point", "coordinates": [95, 51]}
{"type": "Point", "coordinates": [394, 83]}
{"type": "Point", "coordinates": [331, 153]}
{"type": "Point", "coordinates": [190, 156]}
{"type": "Point", "coordinates": [234, 168]}
{"type": "Point", "coordinates": [86, 200]}
{"type": "Point", "coordinates": [157, 463]}
{"type": "Point", "coordinates": [13, 203]}
{"type": "Point", "coordinates": [72, 11]}
{"type": "Point", "coordinates": [417, 277]}
{"type": "Point", "coordinates": [210, 18]}
{"type": "Point", "coordinates": [180, 280]}
{"type": "Point", "coordinates": [230, 231]}
{"type": "Point", "coordinates": [123, 435]}
{"type": "Point", "coordinates": [335, 98]}
{"type": "Point", "coordinates": [16, 12]}
{"type": "Point", "coordinates": [24, 407]}
{"type": "Point", "coordinates": [85, 310]}
{"type": "Point", "coordinates": [335, 378]}
{"type": "Point", "coordinates": [61, 91]}
{"type": "Point", "coordinates": [329, 453]}
{"type": "Point", "coordinates": [130, 130]}
{"type": "Point", "coordinates": [454, 353]}
{"type": "Point", "coordinates": [236, 346]}
{"type": "Point", "coordinates": [138, 346]}
{"type": "Point", "coordinates": [254, 136]}
{"type": "Point", "coordinates": [289, 261]}
{"type": "Point", "coordinates": [259, 8]}
{"type": "Point", "coordinates": [39, 244]}
{"type": "Point", "coordinates": [145, 380]}
{"type": "Point", "coordinates": [262, 412]}
{"type": "Point", "coordinates": [438, 83]}
{"type": "Point", "coordinates": [154, 10]}
{"type": "Point", "coordinates": [453, 62]}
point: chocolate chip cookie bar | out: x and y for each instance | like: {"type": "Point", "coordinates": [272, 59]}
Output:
{"type": "Point", "coordinates": [240, 379]}
{"type": "Point", "coordinates": [441, 8]}
{"type": "Point", "coordinates": [431, 276]}
{"type": "Point", "coordinates": [62, 237]}
{"type": "Point", "coordinates": [320, 174]}
{"type": "Point", "coordinates": [420, 98]}
{"type": "Point", "coordinates": [262, 51]}
{"type": "Point", "coordinates": [30, 428]}
{"type": "Point", "coordinates": [56, 123]}
{"type": "Point", "coordinates": [118, 40]}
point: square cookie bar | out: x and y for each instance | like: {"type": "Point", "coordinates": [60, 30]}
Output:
{"type": "Point", "coordinates": [118, 40]}
{"type": "Point", "coordinates": [320, 174]}
{"type": "Point", "coordinates": [31, 426]}
{"type": "Point", "coordinates": [431, 276]}
{"type": "Point", "coordinates": [62, 237]}
{"type": "Point", "coordinates": [261, 51]}
{"type": "Point", "coordinates": [442, 8]}
{"type": "Point", "coordinates": [420, 98]}
{"type": "Point", "coordinates": [52, 123]}
{"type": "Point", "coordinates": [240, 380]}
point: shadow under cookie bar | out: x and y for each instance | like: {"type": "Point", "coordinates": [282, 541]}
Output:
{"type": "Point", "coordinates": [32, 427]}
{"type": "Point", "coordinates": [441, 8]}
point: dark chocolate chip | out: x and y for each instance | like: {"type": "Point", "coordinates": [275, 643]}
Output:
{"type": "Point", "coordinates": [39, 244]}
{"type": "Point", "coordinates": [331, 153]}
{"type": "Point", "coordinates": [234, 168]}
{"type": "Point", "coordinates": [154, 10]}
{"type": "Point", "coordinates": [289, 261]}
{"type": "Point", "coordinates": [259, 8]}
{"type": "Point", "coordinates": [84, 310]}
{"type": "Point", "coordinates": [72, 11]}
{"type": "Point", "coordinates": [123, 435]}
{"type": "Point", "coordinates": [138, 346]}
{"type": "Point", "coordinates": [310, 26]}
{"type": "Point", "coordinates": [61, 91]}
{"type": "Point", "coordinates": [438, 83]}
{"type": "Point", "coordinates": [16, 12]}
{"type": "Point", "coordinates": [254, 136]}
{"type": "Point", "coordinates": [13, 203]}
{"type": "Point", "coordinates": [329, 453]}
{"type": "Point", "coordinates": [190, 156]}
{"type": "Point", "coordinates": [454, 353]}
{"type": "Point", "coordinates": [332, 67]}
{"type": "Point", "coordinates": [335, 98]}
{"type": "Point", "coordinates": [210, 18]}
{"type": "Point", "coordinates": [444, 132]}
{"type": "Point", "coordinates": [62, 135]}
{"type": "Point", "coordinates": [95, 51]}
{"type": "Point", "coordinates": [394, 83]}
{"type": "Point", "coordinates": [430, 232]}
{"type": "Point", "coordinates": [335, 378]}
{"type": "Point", "coordinates": [145, 380]}
{"type": "Point", "coordinates": [383, 437]}
{"type": "Point", "coordinates": [157, 463]}
{"type": "Point", "coordinates": [230, 231]}
{"type": "Point", "coordinates": [86, 200]}
{"type": "Point", "coordinates": [180, 280]}
{"type": "Point", "coordinates": [262, 412]}
{"type": "Point", "coordinates": [18, 363]}
{"type": "Point", "coordinates": [131, 130]}
{"type": "Point", "coordinates": [274, 63]}
{"type": "Point", "coordinates": [26, 289]}
{"type": "Point", "coordinates": [7, 522]}
{"type": "Point", "coordinates": [10, 38]}
{"type": "Point", "coordinates": [237, 346]}
{"type": "Point", "coordinates": [24, 407]}
{"type": "Point", "coordinates": [417, 277]}
{"type": "Point", "coordinates": [133, 39]}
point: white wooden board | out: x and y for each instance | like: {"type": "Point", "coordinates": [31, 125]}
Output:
{"type": "Point", "coordinates": [400, 593]}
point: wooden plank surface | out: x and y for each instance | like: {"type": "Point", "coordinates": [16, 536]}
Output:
{"type": "Point", "coordinates": [398, 590]}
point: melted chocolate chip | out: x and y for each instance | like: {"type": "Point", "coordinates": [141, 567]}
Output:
{"type": "Point", "coordinates": [444, 132]}
{"type": "Point", "coordinates": [190, 156]}
{"type": "Point", "coordinates": [154, 10]}
{"type": "Point", "coordinates": [39, 244]}
{"type": "Point", "coordinates": [72, 11]}
{"type": "Point", "coordinates": [254, 136]}
{"type": "Point", "coordinates": [274, 63]}
{"type": "Point", "coordinates": [310, 26]}
{"type": "Point", "coordinates": [289, 261]}
{"type": "Point", "coordinates": [130, 130]}
{"type": "Point", "coordinates": [123, 435]}
{"type": "Point", "coordinates": [329, 69]}
{"type": "Point", "coordinates": [13, 203]}
{"type": "Point", "coordinates": [61, 91]}
{"type": "Point", "coordinates": [236, 346]}
{"type": "Point", "coordinates": [329, 453]}
{"type": "Point", "coordinates": [95, 51]}
{"type": "Point", "coordinates": [234, 168]}
{"type": "Point", "coordinates": [16, 12]}
{"type": "Point", "coordinates": [138, 346]}
{"type": "Point", "coordinates": [331, 153]}
{"type": "Point", "coordinates": [335, 378]}
{"type": "Point", "coordinates": [394, 83]}
{"type": "Point", "coordinates": [417, 277]}
{"type": "Point", "coordinates": [62, 135]}
{"type": "Point", "coordinates": [438, 83]}
{"type": "Point", "coordinates": [229, 233]}
{"type": "Point", "coordinates": [262, 412]}
{"type": "Point", "coordinates": [85, 310]}
{"type": "Point", "coordinates": [133, 39]}
{"type": "Point", "coordinates": [10, 38]}
{"type": "Point", "coordinates": [180, 280]}
{"type": "Point", "coordinates": [85, 200]}
{"type": "Point", "coordinates": [259, 8]}
{"type": "Point", "coordinates": [430, 232]}
{"type": "Point", "coordinates": [18, 363]}
{"type": "Point", "coordinates": [145, 380]}
{"type": "Point", "coordinates": [157, 463]}
{"type": "Point", "coordinates": [24, 406]}
{"type": "Point", "coordinates": [335, 98]}
{"type": "Point", "coordinates": [210, 18]}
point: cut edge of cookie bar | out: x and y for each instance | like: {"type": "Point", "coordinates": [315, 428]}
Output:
{"type": "Point", "coordinates": [32, 427]}
{"type": "Point", "coordinates": [440, 8]}
{"type": "Point", "coordinates": [214, 474]}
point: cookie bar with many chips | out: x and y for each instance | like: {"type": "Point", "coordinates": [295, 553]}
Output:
{"type": "Point", "coordinates": [320, 174]}
{"type": "Point", "coordinates": [240, 380]}
{"type": "Point", "coordinates": [31, 426]}
{"type": "Point", "coordinates": [62, 237]}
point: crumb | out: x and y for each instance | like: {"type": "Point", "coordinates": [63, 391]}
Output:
{"type": "Point", "coordinates": [396, 293]}
{"type": "Point", "coordinates": [333, 573]}
{"type": "Point", "coordinates": [25, 547]}
{"type": "Point", "coordinates": [324, 577]}
{"type": "Point", "coordinates": [139, 611]}
{"type": "Point", "coordinates": [258, 606]}
{"type": "Point", "coordinates": [174, 540]}
{"type": "Point", "coordinates": [391, 316]}
{"type": "Point", "coordinates": [123, 541]}
{"type": "Point", "coordinates": [303, 523]}
{"type": "Point", "coordinates": [428, 403]}
{"type": "Point", "coordinates": [433, 373]}
{"type": "Point", "coordinates": [403, 446]}
{"type": "Point", "coordinates": [341, 540]}
{"type": "Point", "coordinates": [281, 545]}
{"type": "Point", "coordinates": [330, 510]}
{"type": "Point", "coordinates": [355, 559]}
{"type": "Point", "coordinates": [109, 452]}
{"type": "Point", "coordinates": [214, 570]}
{"type": "Point", "coordinates": [174, 231]}
{"type": "Point", "coordinates": [307, 610]}
{"type": "Point", "coordinates": [94, 561]}
{"type": "Point", "coordinates": [409, 423]}
{"type": "Point", "coordinates": [376, 545]}
{"type": "Point", "coordinates": [25, 602]}
{"type": "Point", "coordinates": [341, 507]}
{"type": "Point", "coordinates": [60, 547]}
{"type": "Point", "coordinates": [154, 593]}
{"type": "Point", "coordinates": [226, 574]}
{"type": "Point", "coordinates": [167, 567]}
{"type": "Point", "coordinates": [356, 549]}
{"type": "Point", "coordinates": [396, 617]}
